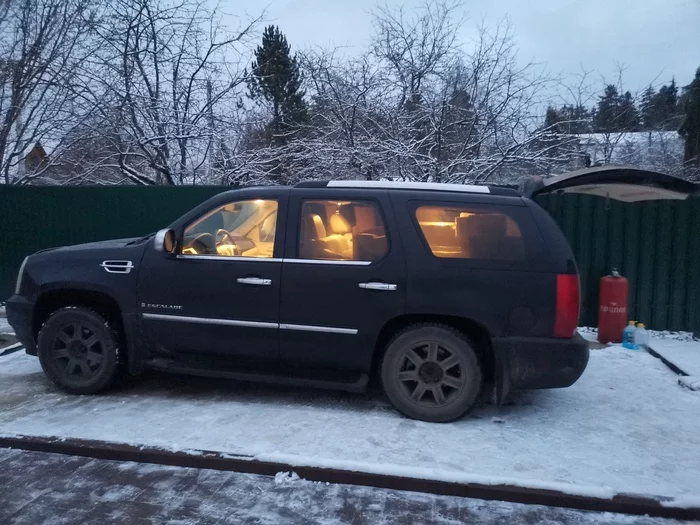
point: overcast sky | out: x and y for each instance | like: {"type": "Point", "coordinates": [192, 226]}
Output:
{"type": "Point", "coordinates": [655, 39]}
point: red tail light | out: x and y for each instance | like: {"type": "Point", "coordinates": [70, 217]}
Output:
{"type": "Point", "coordinates": [568, 304]}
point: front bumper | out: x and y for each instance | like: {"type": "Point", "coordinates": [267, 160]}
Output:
{"type": "Point", "coordinates": [527, 363]}
{"type": "Point", "coordinates": [19, 314]}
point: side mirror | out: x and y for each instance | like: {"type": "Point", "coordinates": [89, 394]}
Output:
{"type": "Point", "coordinates": [165, 241]}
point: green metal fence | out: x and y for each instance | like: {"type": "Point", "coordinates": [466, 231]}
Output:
{"type": "Point", "coordinates": [32, 218]}
{"type": "Point", "coordinates": [653, 244]}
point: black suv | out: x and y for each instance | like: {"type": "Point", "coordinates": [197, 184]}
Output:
{"type": "Point", "coordinates": [437, 289]}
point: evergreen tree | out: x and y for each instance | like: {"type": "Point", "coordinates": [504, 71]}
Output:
{"type": "Point", "coordinates": [607, 117]}
{"type": "Point", "coordinates": [552, 118]}
{"type": "Point", "coordinates": [668, 110]}
{"type": "Point", "coordinates": [629, 116]}
{"type": "Point", "coordinates": [648, 109]}
{"type": "Point", "coordinates": [569, 119]}
{"type": "Point", "coordinates": [661, 110]}
{"type": "Point", "coordinates": [276, 78]}
{"type": "Point", "coordinates": [690, 130]}
{"type": "Point", "coordinates": [616, 113]}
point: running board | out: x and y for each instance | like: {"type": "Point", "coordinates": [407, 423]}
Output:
{"type": "Point", "coordinates": [175, 367]}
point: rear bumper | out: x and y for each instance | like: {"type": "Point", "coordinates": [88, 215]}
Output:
{"type": "Point", "coordinates": [19, 314]}
{"type": "Point", "coordinates": [528, 363]}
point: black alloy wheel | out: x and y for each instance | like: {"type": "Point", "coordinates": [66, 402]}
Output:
{"type": "Point", "coordinates": [79, 350]}
{"type": "Point", "coordinates": [432, 373]}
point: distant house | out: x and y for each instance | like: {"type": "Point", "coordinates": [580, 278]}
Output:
{"type": "Point", "coordinates": [36, 158]}
{"type": "Point", "coordinates": [655, 150]}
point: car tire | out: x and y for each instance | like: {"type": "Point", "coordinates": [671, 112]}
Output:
{"type": "Point", "coordinates": [79, 350]}
{"type": "Point", "coordinates": [431, 373]}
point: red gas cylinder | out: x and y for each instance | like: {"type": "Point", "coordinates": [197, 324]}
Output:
{"type": "Point", "coordinates": [612, 308]}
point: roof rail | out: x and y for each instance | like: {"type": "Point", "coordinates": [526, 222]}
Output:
{"type": "Point", "coordinates": [395, 185]}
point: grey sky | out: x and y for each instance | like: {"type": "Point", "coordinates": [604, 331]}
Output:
{"type": "Point", "coordinates": [655, 39]}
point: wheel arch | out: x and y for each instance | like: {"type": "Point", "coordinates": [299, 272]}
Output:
{"type": "Point", "coordinates": [103, 303]}
{"type": "Point", "coordinates": [476, 331]}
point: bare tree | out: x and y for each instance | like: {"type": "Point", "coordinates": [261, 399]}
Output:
{"type": "Point", "coordinates": [417, 106]}
{"type": "Point", "coordinates": [165, 78]}
{"type": "Point", "coordinates": [41, 48]}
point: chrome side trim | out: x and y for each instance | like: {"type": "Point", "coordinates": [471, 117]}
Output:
{"type": "Point", "coordinates": [117, 266]}
{"type": "Point", "coordinates": [209, 320]}
{"type": "Point", "coordinates": [408, 185]}
{"type": "Point", "coordinates": [249, 324]}
{"type": "Point", "coordinates": [273, 259]}
{"type": "Point", "coordinates": [326, 329]}
{"type": "Point", "coordinates": [227, 258]}
{"type": "Point", "coordinates": [328, 261]}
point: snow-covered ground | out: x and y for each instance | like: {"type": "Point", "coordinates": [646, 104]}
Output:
{"type": "Point", "coordinates": [679, 348]}
{"type": "Point", "coordinates": [625, 426]}
{"type": "Point", "coordinates": [684, 354]}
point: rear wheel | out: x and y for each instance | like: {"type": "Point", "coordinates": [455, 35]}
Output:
{"type": "Point", "coordinates": [431, 373]}
{"type": "Point", "coordinates": [79, 350]}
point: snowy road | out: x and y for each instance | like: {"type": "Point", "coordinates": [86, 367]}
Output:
{"type": "Point", "coordinates": [626, 426]}
{"type": "Point", "coordinates": [43, 488]}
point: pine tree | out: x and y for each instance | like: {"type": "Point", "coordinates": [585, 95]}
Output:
{"type": "Point", "coordinates": [276, 78]}
{"type": "Point", "coordinates": [648, 109]}
{"type": "Point", "coordinates": [629, 116]}
{"type": "Point", "coordinates": [669, 112]}
{"type": "Point", "coordinates": [568, 119]}
{"type": "Point", "coordinates": [552, 118]}
{"type": "Point", "coordinates": [607, 117]}
{"type": "Point", "coordinates": [690, 130]}
{"type": "Point", "coordinates": [616, 113]}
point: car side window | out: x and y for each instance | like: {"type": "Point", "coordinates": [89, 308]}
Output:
{"type": "Point", "coordinates": [237, 229]}
{"type": "Point", "coordinates": [461, 232]}
{"type": "Point", "coordinates": [342, 230]}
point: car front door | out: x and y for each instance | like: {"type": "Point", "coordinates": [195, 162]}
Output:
{"type": "Point", "coordinates": [343, 277]}
{"type": "Point", "coordinates": [219, 294]}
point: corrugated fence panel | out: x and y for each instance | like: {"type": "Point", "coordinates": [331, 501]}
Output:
{"type": "Point", "coordinates": [33, 218]}
{"type": "Point", "coordinates": [680, 254]}
{"type": "Point", "coordinates": [653, 244]}
{"type": "Point", "coordinates": [692, 301]}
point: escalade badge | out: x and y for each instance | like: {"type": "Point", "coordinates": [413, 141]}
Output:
{"type": "Point", "coordinates": [162, 306]}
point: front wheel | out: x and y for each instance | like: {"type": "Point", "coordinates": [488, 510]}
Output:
{"type": "Point", "coordinates": [431, 373]}
{"type": "Point", "coordinates": [79, 350]}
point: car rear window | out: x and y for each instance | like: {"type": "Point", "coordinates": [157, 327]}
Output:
{"type": "Point", "coordinates": [463, 232]}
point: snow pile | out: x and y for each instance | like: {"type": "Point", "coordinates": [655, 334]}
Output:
{"type": "Point", "coordinates": [676, 336]}
{"type": "Point", "coordinates": [690, 382]}
{"type": "Point", "coordinates": [588, 333]}
{"type": "Point", "coordinates": [282, 478]}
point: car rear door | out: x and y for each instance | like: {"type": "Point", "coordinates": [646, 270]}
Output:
{"type": "Point", "coordinates": [621, 183]}
{"type": "Point", "coordinates": [343, 277]}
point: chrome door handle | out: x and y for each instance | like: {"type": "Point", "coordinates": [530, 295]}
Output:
{"type": "Point", "coordinates": [257, 281]}
{"type": "Point", "coordinates": [378, 286]}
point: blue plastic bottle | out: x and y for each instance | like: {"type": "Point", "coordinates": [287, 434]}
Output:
{"type": "Point", "coordinates": [628, 337]}
{"type": "Point", "coordinates": [641, 337]}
